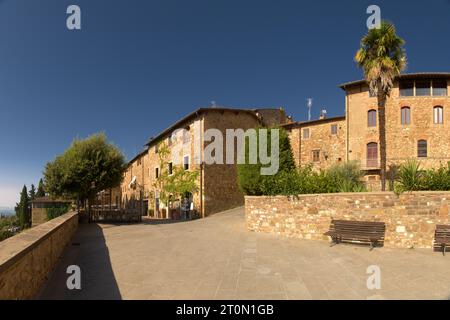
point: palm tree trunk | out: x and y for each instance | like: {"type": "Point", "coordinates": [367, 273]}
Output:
{"type": "Point", "coordinates": [382, 135]}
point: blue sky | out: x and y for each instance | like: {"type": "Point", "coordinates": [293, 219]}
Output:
{"type": "Point", "coordinates": [137, 66]}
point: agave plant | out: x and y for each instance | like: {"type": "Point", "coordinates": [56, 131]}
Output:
{"type": "Point", "coordinates": [410, 177]}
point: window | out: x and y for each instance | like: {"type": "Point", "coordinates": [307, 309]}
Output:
{"type": "Point", "coordinates": [156, 148]}
{"type": "Point", "coordinates": [406, 115]}
{"type": "Point", "coordinates": [316, 155]}
{"type": "Point", "coordinates": [406, 88]}
{"type": "Point", "coordinates": [139, 162]}
{"type": "Point", "coordinates": [372, 154]}
{"type": "Point", "coordinates": [334, 129]}
{"type": "Point", "coordinates": [306, 133]}
{"type": "Point", "coordinates": [423, 88]}
{"type": "Point", "coordinates": [438, 115]}
{"type": "Point", "coordinates": [156, 173]}
{"type": "Point", "coordinates": [372, 118]}
{"type": "Point", "coordinates": [170, 167]}
{"type": "Point", "coordinates": [169, 142]}
{"type": "Point", "coordinates": [186, 163]}
{"type": "Point", "coordinates": [422, 148]}
{"type": "Point", "coordinates": [439, 88]}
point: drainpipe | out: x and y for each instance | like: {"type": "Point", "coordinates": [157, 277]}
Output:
{"type": "Point", "coordinates": [347, 142]}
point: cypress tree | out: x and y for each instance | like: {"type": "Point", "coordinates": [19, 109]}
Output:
{"type": "Point", "coordinates": [23, 208]}
{"type": "Point", "coordinates": [40, 191]}
{"type": "Point", "coordinates": [32, 192]}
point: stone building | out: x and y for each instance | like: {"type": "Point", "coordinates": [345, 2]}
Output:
{"type": "Point", "coordinates": [417, 127]}
{"type": "Point", "coordinates": [217, 183]}
{"type": "Point", "coordinates": [40, 206]}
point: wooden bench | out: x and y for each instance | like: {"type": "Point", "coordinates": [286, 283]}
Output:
{"type": "Point", "coordinates": [442, 237]}
{"type": "Point", "coordinates": [363, 232]}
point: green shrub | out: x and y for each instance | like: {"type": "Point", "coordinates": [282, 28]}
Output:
{"type": "Point", "coordinates": [250, 180]}
{"type": "Point", "coordinates": [57, 211]}
{"type": "Point", "coordinates": [437, 179]}
{"type": "Point", "coordinates": [345, 177]}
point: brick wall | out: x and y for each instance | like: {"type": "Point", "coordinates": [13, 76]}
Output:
{"type": "Point", "coordinates": [410, 218]}
{"type": "Point", "coordinates": [27, 258]}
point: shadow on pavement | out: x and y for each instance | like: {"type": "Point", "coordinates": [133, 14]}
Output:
{"type": "Point", "coordinates": [87, 250]}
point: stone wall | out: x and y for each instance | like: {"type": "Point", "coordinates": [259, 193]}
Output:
{"type": "Point", "coordinates": [410, 218]}
{"type": "Point", "coordinates": [27, 258]}
{"type": "Point", "coordinates": [329, 146]}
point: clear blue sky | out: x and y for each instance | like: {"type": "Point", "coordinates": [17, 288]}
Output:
{"type": "Point", "coordinates": [137, 66]}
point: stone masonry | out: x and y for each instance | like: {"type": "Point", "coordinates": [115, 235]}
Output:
{"type": "Point", "coordinates": [410, 218]}
{"type": "Point", "coordinates": [27, 259]}
{"type": "Point", "coordinates": [217, 183]}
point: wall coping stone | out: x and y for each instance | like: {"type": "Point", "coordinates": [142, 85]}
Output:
{"type": "Point", "coordinates": [16, 247]}
{"type": "Point", "coordinates": [376, 193]}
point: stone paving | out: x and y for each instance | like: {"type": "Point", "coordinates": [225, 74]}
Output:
{"type": "Point", "coordinates": [216, 258]}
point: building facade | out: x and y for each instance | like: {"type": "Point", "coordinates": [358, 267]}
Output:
{"type": "Point", "coordinates": [217, 183]}
{"type": "Point", "coordinates": [417, 127]}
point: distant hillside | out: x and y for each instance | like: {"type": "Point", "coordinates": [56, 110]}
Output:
{"type": "Point", "coordinates": [6, 211]}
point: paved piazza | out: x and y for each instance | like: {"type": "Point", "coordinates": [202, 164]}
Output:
{"type": "Point", "coordinates": [216, 258]}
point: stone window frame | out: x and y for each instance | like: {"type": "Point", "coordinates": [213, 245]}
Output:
{"type": "Point", "coordinates": [404, 117]}
{"type": "Point", "coordinates": [316, 155]}
{"type": "Point", "coordinates": [422, 148]}
{"type": "Point", "coordinates": [156, 172]}
{"type": "Point", "coordinates": [438, 115]}
{"type": "Point", "coordinates": [372, 118]}
{"type": "Point", "coordinates": [304, 135]}
{"type": "Point", "coordinates": [334, 129]}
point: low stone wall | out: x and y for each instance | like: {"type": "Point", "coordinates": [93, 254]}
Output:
{"type": "Point", "coordinates": [27, 258]}
{"type": "Point", "coordinates": [410, 218]}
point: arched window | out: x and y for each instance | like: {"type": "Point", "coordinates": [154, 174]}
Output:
{"type": "Point", "coordinates": [406, 115]}
{"type": "Point", "coordinates": [422, 148]}
{"type": "Point", "coordinates": [372, 118]}
{"type": "Point", "coordinates": [372, 154]}
{"type": "Point", "coordinates": [438, 115]}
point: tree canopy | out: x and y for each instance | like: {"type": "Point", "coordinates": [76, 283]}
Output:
{"type": "Point", "coordinates": [87, 167]}
{"type": "Point", "coordinates": [250, 180]}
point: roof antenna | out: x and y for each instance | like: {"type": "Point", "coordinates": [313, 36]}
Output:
{"type": "Point", "coordinates": [309, 104]}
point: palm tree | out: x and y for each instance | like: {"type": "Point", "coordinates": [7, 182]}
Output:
{"type": "Point", "coordinates": [382, 58]}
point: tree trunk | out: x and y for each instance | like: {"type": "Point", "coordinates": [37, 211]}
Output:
{"type": "Point", "coordinates": [382, 135]}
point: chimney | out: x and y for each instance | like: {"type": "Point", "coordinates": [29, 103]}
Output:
{"type": "Point", "coordinates": [323, 114]}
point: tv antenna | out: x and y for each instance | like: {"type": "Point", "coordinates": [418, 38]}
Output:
{"type": "Point", "coordinates": [309, 105]}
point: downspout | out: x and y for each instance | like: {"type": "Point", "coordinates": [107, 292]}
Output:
{"type": "Point", "coordinates": [347, 130]}
{"type": "Point", "coordinates": [202, 209]}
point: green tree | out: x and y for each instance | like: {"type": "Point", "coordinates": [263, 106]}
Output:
{"type": "Point", "coordinates": [23, 210]}
{"type": "Point", "coordinates": [87, 167]}
{"type": "Point", "coordinates": [382, 57]}
{"type": "Point", "coordinates": [250, 180]}
{"type": "Point", "coordinates": [40, 191]}
{"type": "Point", "coordinates": [32, 192]}
{"type": "Point", "coordinates": [176, 184]}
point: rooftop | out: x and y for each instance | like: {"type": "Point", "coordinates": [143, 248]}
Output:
{"type": "Point", "coordinates": [416, 75]}
{"type": "Point", "coordinates": [312, 122]}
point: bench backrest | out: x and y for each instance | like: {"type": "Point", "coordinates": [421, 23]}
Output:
{"type": "Point", "coordinates": [442, 230]}
{"type": "Point", "coordinates": [359, 226]}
